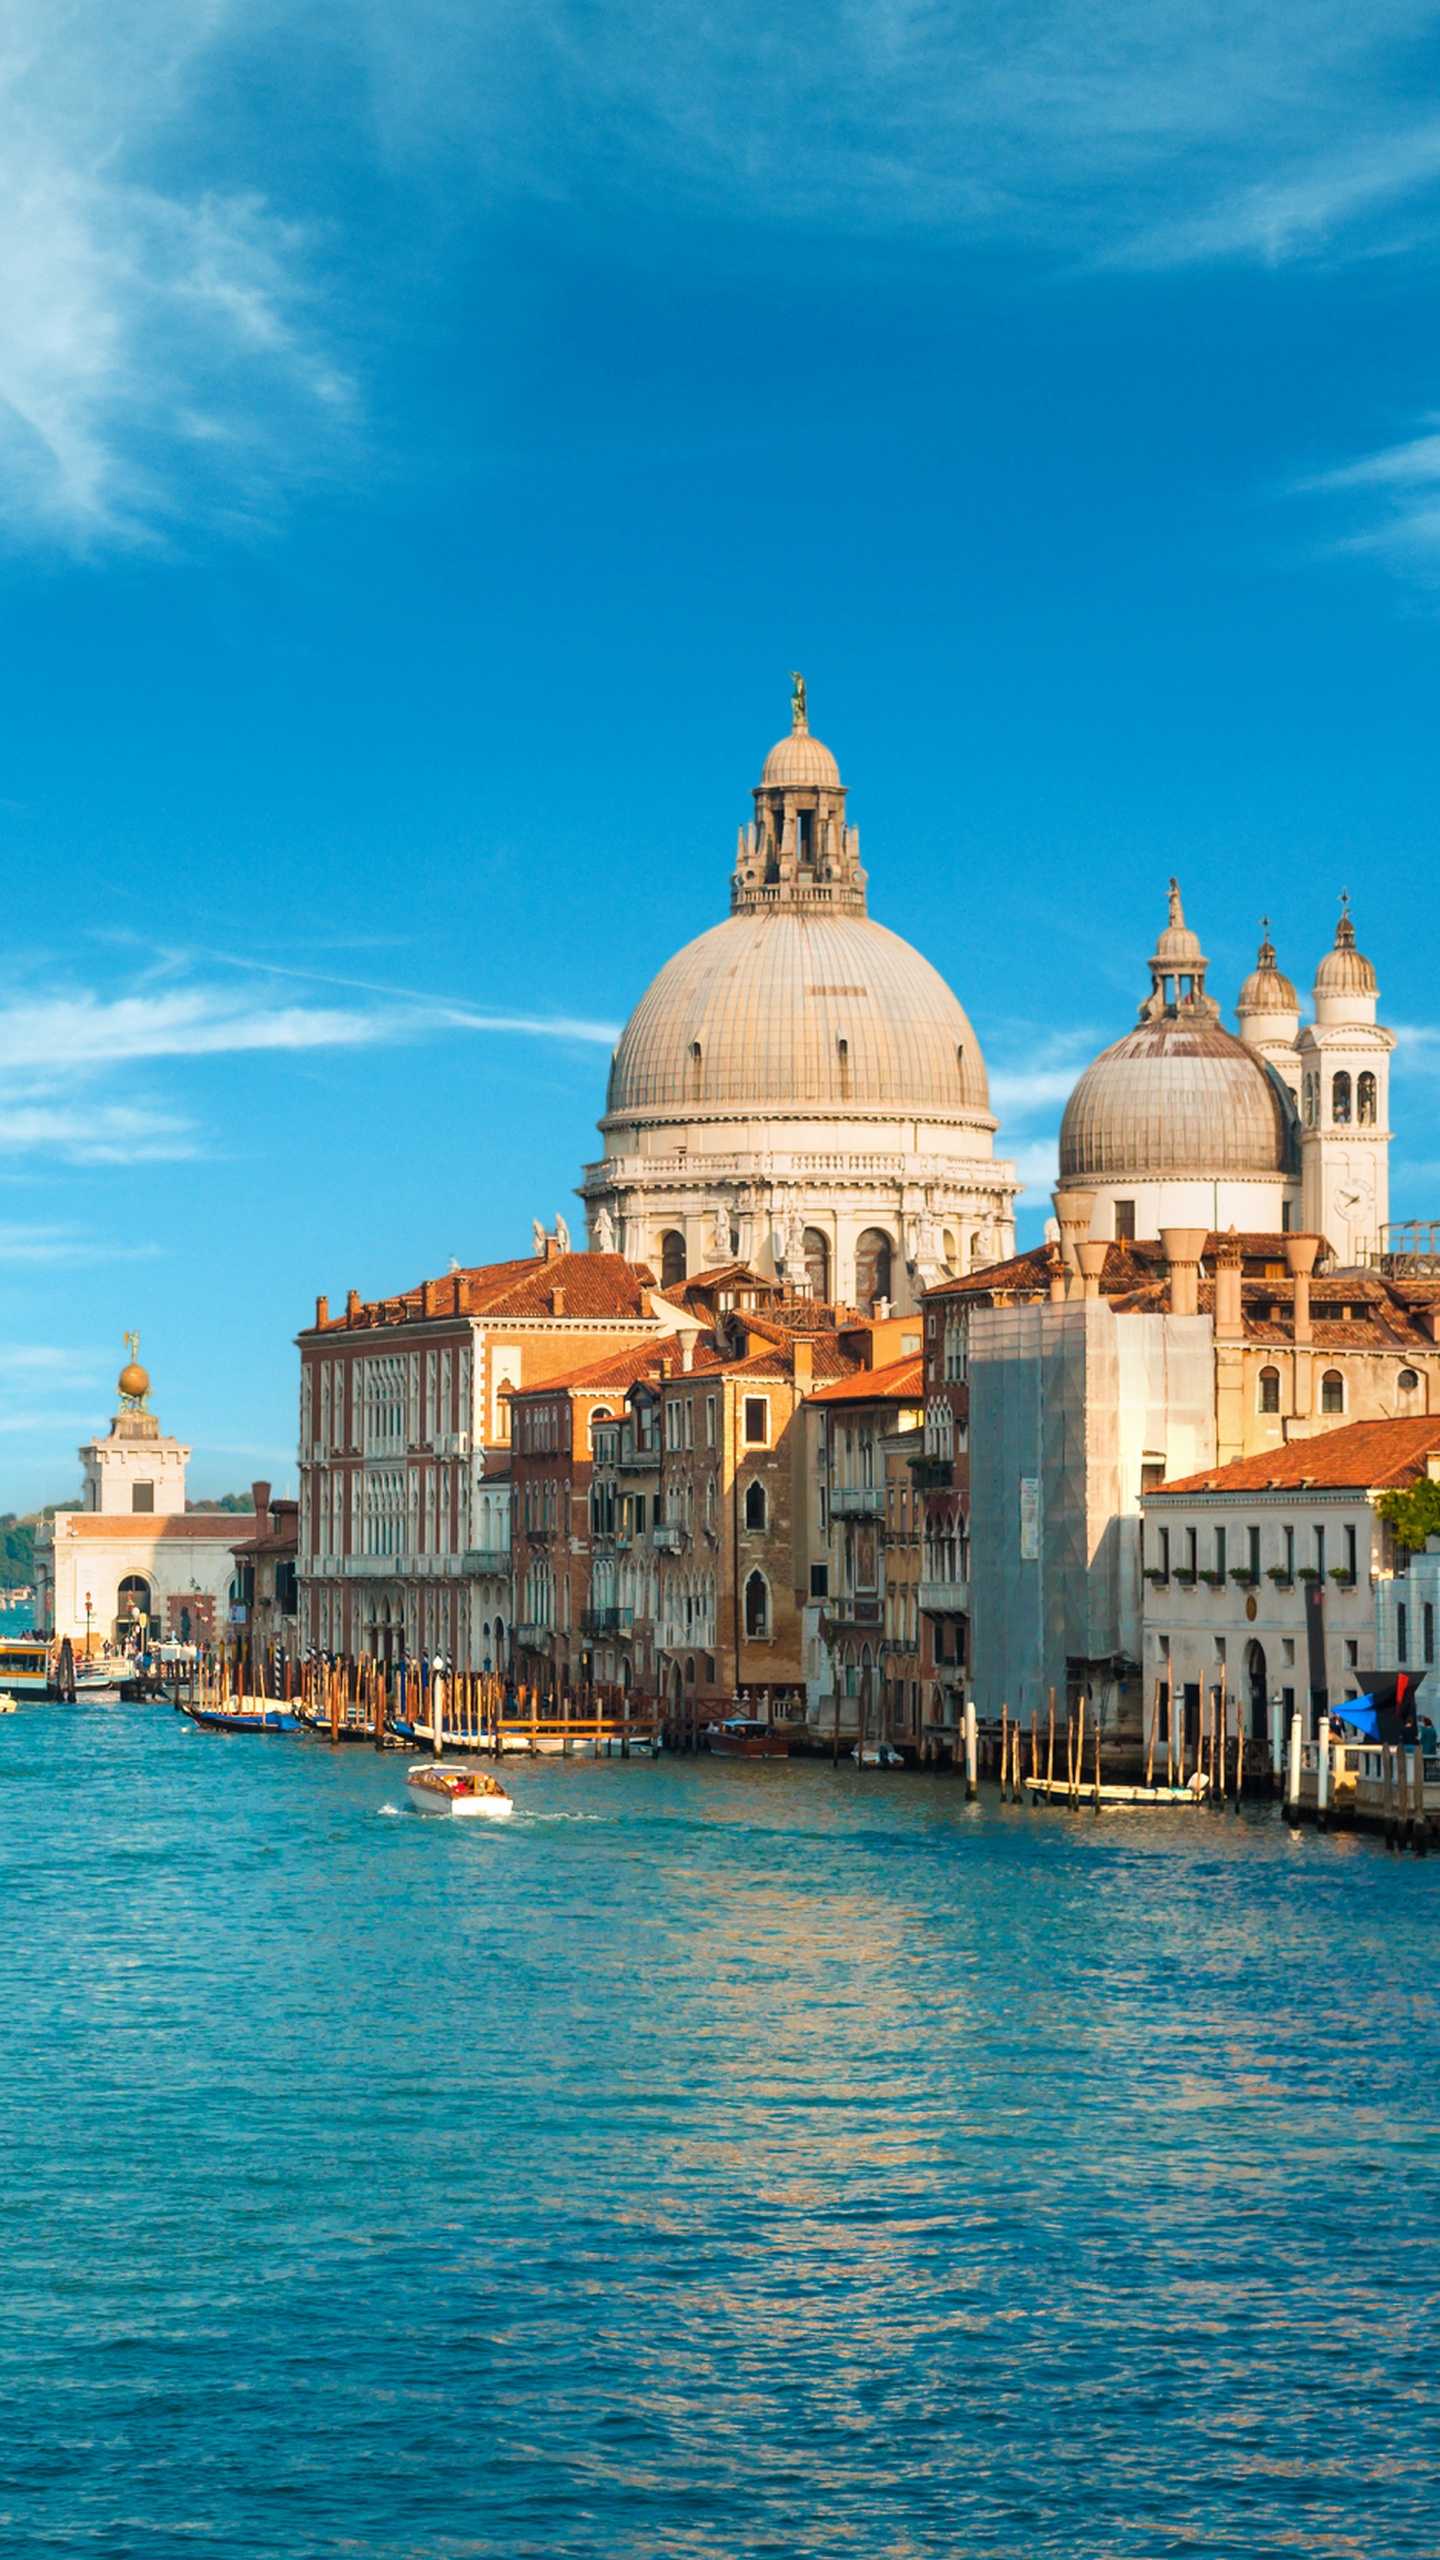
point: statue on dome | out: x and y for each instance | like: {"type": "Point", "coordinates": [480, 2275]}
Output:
{"type": "Point", "coordinates": [799, 717]}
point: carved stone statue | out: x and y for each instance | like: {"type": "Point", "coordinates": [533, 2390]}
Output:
{"type": "Point", "coordinates": [799, 717]}
{"type": "Point", "coordinates": [538, 1233]}
{"type": "Point", "coordinates": [604, 1230]}
{"type": "Point", "coordinates": [562, 1235]}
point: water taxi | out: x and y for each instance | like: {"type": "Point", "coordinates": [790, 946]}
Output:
{"type": "Point", "coordinates": [25, 1666]}
{"type": "Point", "coordinates": [439, 1786]}
{"type": "Point", "coordinates": [745, 1738]}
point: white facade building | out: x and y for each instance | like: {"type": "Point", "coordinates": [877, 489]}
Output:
{"type": "Point", "coordinates": [134, 1561]}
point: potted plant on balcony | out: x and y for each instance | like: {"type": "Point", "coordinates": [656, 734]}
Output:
{"type": "Point", "coordinates": [1242, 1574]}
{"type": "Point", "coordinates": [1184, 1575]}
{"type": "Point", "coordinates": [1307, 1573]}
{"type": "Point", "coordinates": [1213, 1578]}
{"type": "Point", "coordinates": [1157, 1574]}
{"type": "Point", "coordinates": [1342, 1574]}
{"type": "Point", "coordinates": [1281, 1576]}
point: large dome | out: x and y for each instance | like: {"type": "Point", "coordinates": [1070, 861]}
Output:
{"type": "Point", "coordinates": [1176, 1098]}
{"type": "Point", "coordinates": [788, 1006]}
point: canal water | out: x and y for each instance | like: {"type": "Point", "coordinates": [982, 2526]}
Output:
{"type": "Point", "coordinates": [718, 2160]}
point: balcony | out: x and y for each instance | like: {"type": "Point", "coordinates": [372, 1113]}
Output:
{"type": "Point", "coordinates": [485, 1560]}
{"type": "Point", "coordinates": [931, 1474]}
{"type": "Point", "coordinates": [639, 1462]}
{"type": "Point", "coordinates": [857, 1502]}
{"type": "Point", "coordinates": [667, 1537]}
{"type": "Point", "coordinates": [533, 1639]}
{"type": "Point", "coordinates": [945, 1599]}
{"type": "Point", "coordinates": [846, 1610]}
{"type": "Point", "coordinates": [606, 1622]}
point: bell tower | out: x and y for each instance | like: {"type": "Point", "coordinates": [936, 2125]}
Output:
{"type": "Point", "coordinates": [1344, 1058]}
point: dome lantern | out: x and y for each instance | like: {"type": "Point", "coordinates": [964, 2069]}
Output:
{"type": "Point", "coordinates": [798, 850]}
{"type": "Point", "coordinates": [1346, 988]}
{"type": "Point", "coordinates": [1177, 971]}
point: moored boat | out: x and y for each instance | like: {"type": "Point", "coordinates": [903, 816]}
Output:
{"type": "Point", "coordinates": [246, 1715]}
{"type": "Point", "coordinates": [745, 1738]}
{"type": "Point", "coordinates": [441, 1786]}
{"type": "Point", "coordinates": [25, 1666]}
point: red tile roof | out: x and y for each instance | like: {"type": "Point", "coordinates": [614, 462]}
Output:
{"type": "Point", "coordinates": [901, 1382]}
{"type": "Point", "coordinates": [1359, 1456]}
{"type": "Point", "coordinates": [619, 1369]}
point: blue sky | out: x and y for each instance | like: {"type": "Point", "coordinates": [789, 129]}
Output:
{"type": "Point", "coordinates": [428, 438]}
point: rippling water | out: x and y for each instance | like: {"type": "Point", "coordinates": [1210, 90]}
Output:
{"type": "Point", "coordinates": [716, 2160]}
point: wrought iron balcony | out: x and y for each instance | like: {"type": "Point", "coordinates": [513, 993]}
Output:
{"type": "Point", "coordinates": [606, 1622]}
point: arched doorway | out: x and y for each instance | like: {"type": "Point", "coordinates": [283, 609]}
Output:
{"type": "Point", "coordinates": [132, 1606]}
{"type": "Point", "coordinates": [872, 1267]}
{"type": "Point", "coordinates": [672, 1258]}
{"type": "Point", "coordinates": [1259, 1695]}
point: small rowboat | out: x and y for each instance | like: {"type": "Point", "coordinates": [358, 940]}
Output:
{"type": "Point", "coordinates": [246, 1715]}
{"type": "Point", "coordinates": [438, 1786]}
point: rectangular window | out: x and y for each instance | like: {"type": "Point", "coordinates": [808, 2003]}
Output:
{"type": "Point", "coordinates": [1287, 1537]}
{"type": "Point", "coordinates": [1287, 1651]}
{"type": "Point", "coordinates": [1428, 1623]}
{"type": "Point", "coordinates": [1402, 1634]}
{"type": "Point", "coordinates": [1219, 1550]}
{"type": "Point", "coordinates": [709, 1422]}
{"type": "Point", "coordinates": [1124, 1221]}
{"type": "Point", "coordinates": [672, 1424]}
{"type": "Point", "coordinates": [819, 1582]}
{"type": "Point", "coordinates": [1352, 1653]}
{"type": "Point", "coordinates": [1320, 1552]}
{"type": "Point", "coordinates": [756, 1421]}
{"type": "Point", "coordinates": [1350, 1553]}
{"type": "Point", "coordinates": [1165, 1553]}
{"type": "Point", "coordinates": [142, 1497]}
{"type": "Point", "coordinates": [1253, 1559]}
{"type": "Point", "coordinates": [689, 1422]}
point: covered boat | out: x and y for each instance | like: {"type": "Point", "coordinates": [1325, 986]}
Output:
{"type": "Point", "coordinates": [745, 1738]}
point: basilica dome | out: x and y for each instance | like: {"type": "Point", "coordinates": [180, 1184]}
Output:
{"type": "Point", "coordinates": [789, 1005]}
{"type": "Point", "coordinates": [1175, 1099]}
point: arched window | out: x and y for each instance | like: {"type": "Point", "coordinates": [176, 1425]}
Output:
{"type": "Point", "coordinates": [1365, 1100]}
{"type": "Point", "coordinates": [697, 1064]}
{"type": "Point", "coordinates": [817, 1264]}
{"type": "Point", "coordinates": [757, 1606]}
{"type": "Point", "coordinates": [842, 1054]}
{"type": "Point", "coordinates": [952, 1250]}
{"type": "Point", "coordinates": [872, 1267]}
{"type": "Point", "coordinates": [755, 1506]}
{"type": "Point", "coordinates": [1332, 1392]}
{"type": "Point", "coordinates": [1269, 1390]}
{"type": "Point", "coordinates": [672, 1258]}
{"type": "Point", "coordinates": [1340, 1098]}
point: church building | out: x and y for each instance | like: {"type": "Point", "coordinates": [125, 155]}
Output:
{"type": "Point", "coordinates": [799, 1090]}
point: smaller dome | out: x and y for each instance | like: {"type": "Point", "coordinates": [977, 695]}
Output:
{"type": "Point", "coordinates": [1267, 989]}
{"type": "Point", "coordinates": [134, 1381]}
{"type": "Point", "coordinates": [1178, 947]}
{"type": "Point", "coordinates": [800, 762]}
{"type": "Point", "coordinates": [1345, 971]}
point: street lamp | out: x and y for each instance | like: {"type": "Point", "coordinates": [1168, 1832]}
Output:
{"type": "Point", "coordinates": [89, 1606]}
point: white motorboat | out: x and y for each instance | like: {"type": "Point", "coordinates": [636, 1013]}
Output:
{"type": "Point", "coordinates": [444, 1786]}
{"type": "Point", "coordinates": [878, 1755]}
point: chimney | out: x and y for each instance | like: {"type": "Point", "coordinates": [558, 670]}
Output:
{"type": "Point", "coordinates": [260, 1496]}
{"type": "Point", "coordinates": [557, 1302]}
{"type": "Point", "coordinates": [1300, 1254]}
{"type": "Point", "coordinates": [1091, 1258]}
{"type": "Point", "coordinates": [804, 1353]}
{"type": "Point", "coordinates": [352, 1304]}
{"type": "Point", "coordinates": [1229, 1317]}
{"type": "Point", "coordinates": [1074, 1209]}
{"type": "Point", "coordinates": [322, 1311]}
{"type": "Point", "coordinates": [552, 1248]}
{"type": "Point", "coordinates": [1182, 1248]}
{"type": "Point", "coordinates": [428, 1295]}
{"type": "Point", "coordinates": [687, 1353]}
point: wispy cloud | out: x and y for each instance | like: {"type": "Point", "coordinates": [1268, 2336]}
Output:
{"type": "Point", "coordinates": [58, 1049]}
{"type": "Point", "coordinates": [64, 1244]}
{"type": "Point", "coordinates": [175, 275]}
{"type": "Point", "coordinates": [1398, 490]}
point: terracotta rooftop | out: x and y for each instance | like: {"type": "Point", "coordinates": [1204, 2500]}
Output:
{"type": "Point", "coordinates": [902, 1382]}
{"type": "Point", "coordinates": [591, 1285]}
{"type": "Point", "coordinates": [1359, 1456]}
{"type": "Point", "coordinates": [619, 1369]}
